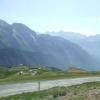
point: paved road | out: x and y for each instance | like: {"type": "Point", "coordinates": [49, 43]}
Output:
{"type": "Point", "coordinates": [18, 88]}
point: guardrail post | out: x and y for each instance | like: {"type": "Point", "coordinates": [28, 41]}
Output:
{"type": "Point", "coordinates": [39, 87]}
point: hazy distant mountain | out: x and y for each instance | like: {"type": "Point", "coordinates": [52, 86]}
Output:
{"type": "Point", "coordinates": [91, 43]}
{"type": "Point", "coordinates": [21, 45]}
{"type": "Point", "coordinates": [61, 52]}
{"type": "Point", "coordinates": [72, 36]}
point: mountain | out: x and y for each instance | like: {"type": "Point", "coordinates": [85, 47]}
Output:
{"type": "Point", "coordinates": [71, 36]}
{"type": "Point", "coordinates": [61, 52]}
{"type": "Point", "coordinates": [21, 45]}
{"type": "Point", "coordinates": [77, 70]}
{"type": "Point", "coordinates": [92, 45]}
{"type": "Point", "coordinates": [89, 43]}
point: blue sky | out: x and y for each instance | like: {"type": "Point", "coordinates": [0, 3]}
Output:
{"type": "Point", "coordinates": [54, 15]}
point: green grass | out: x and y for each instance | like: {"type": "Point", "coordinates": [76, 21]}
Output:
{"type": "Point", "coordinates": [86, 91]}
{"type": "Point", "coordinates": [10, 75]}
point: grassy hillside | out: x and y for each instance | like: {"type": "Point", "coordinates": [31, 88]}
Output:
{"type": "Point", "coordinates": [86, 91]}
{"type": "Point", "coordinates": [24, 73]}
{"type": "Point", "coordinates": [5, 72]}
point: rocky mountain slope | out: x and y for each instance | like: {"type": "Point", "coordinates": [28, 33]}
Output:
{"type": "Point", "coordinates": [21, 45]}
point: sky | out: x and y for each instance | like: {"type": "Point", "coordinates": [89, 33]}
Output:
{"type": "Point", "coordinates": [54, 15]}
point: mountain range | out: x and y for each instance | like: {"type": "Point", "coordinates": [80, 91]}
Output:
{"type": "Point", "coordinates": [21, 45]}
{"type": "Point", "coordinates": [89, 43]}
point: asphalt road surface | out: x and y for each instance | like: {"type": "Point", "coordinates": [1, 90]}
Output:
{"type": "Point", "coordinates": [18, 88]}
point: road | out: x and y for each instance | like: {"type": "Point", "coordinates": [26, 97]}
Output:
{"type": "Point", "coordinates": [18, 88]}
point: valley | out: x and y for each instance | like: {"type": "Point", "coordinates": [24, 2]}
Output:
{"type": "Point", "coordinates": [49, 50]}
{"type": "Point", "coordinates": [26, 74]}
